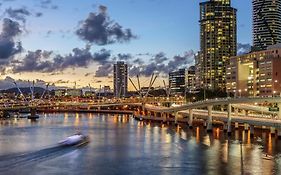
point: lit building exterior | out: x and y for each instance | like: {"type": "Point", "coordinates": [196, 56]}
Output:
{"type": "Point", "coordinates": [255, 74]}
{"type": "Point", "coordinates": [217, 43]}
{"type": "Point", "coordinates": [74, 92]}
{"type": "Point", "coordinates": [60, 92]}
{"type": "Point", "coordinates": [266, 23]}
{"type": "Point", "coordinates": [177, 82]}
{"type": "Point", "coordinates": [190, 79]}
{"type": "Point", "coordinates": [120, 79]}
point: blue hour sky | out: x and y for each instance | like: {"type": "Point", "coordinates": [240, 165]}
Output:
{"type": "Point", "coordinates": [161, 29]}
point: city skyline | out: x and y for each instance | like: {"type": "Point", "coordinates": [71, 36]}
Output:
{"type": "Point", "coordinates": [154, 41]}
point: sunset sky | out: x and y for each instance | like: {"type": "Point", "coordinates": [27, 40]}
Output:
{"type": "Point", "coordinates": [67, 41]}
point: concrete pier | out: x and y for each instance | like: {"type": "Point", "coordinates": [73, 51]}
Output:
{"type": "Point", "coordinates": [279, 133]}
{"type": "Point", "coordinates": [190, 119]}
{"type": "Point", "coordinates": [236, 125]}
{"type": "Point", "coordinates": [272, 131]}
{"type": "Point", "coordinates": [229, 118]}
{"type": "Point", "coordinates": [246, 126]}
{"type": "Point", "coordinates": [210, 119]}
{"type": "Point", "coordinates": [252, 128]}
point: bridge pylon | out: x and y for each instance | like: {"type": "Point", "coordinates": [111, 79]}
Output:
{"type": "Point", "coordinates": [229, 110]}
{"type": "Point", "coordinates": [210, 119]}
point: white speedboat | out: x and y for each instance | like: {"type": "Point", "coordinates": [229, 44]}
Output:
{"type": "Point", "coordinates": [267, 157]}
{"type": "Point", "coordinates": [76, 139]}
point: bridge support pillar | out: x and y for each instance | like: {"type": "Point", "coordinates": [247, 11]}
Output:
{"type": "Point", "coordinates": [279, 133]}
{"type": "Point", "coordinates": [229, 118]}
{"type": "Point", "coordinates": [190, 119]}
{"type": "Point", "coordinates": [236, 125]}
{"type": "Point", "coordinates": [210, 119]}
{"type": "Point", "coordinates": [272, 130]}
{"type": "Point", "coordinates": [252, 128]}
{"type": "Point", "coordinates": [236, 111]}
{"type": "Point", "coordinates": [176, 118]}
{"type": "Point", "coordinates": [246, 126]}
{"type": "Point", "coordinates": [225, 127]}
{"type": "Point", "coordinates": [205, 124]}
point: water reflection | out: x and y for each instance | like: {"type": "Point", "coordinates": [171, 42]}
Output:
{"type": "Point", "coordinates": [122, 145]}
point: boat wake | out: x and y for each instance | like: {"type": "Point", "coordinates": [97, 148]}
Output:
{"type": "Point", "coordinates": [8, 162]}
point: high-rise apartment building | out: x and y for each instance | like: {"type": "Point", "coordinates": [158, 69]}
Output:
{"type": "Point", "coordinates": [256, 73]}
{"type": "Point", "coordinates": [190, 79]}
{"type": "Point", "coordinates": [177, 82]}
{"type": "Point", "coordinates": [217, 43]}
{"type": "Point", "coordinates": [120, 79]}
{"type": "Point", "coordinates": [266, 23]}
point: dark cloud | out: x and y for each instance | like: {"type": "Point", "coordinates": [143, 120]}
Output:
{"type": "Point", "coordinates": [38, 14]}
{"type": "Point", "coordinates": [19, 14]}
{"type": "Point", "coordinates": [243, 48]}
{"type": "Point", "coordinates": [8, 46]}
{"type": "Point", "coordinates": [180, 61]}
{"type": "Point", "coordinates": [124, 57]}
{"type": "Point", "coordinates": [160, 58]}
{"type": "Point", "coordinates": [8, 82]}
{"type": "Point", "coordinates": [45, 61]}
{"type": "Point", "coordinates": [48, 4]}
{"type": "Point", "coordinates": [160, 63]}
{"type": "Point", "coordinates": [99, 29]}
{"type": "Point", "coordinates": [104, 70]}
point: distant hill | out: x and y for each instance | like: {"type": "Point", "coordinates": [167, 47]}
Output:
{"type": "Point", "coordinates": [25, 90]}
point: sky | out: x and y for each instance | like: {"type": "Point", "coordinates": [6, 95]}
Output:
{"type": "Point", "coordinates": [68, 41]}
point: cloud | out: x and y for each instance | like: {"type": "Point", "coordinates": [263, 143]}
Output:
{"type": "Point", "coordinates": [124, 57]}
{"type": "Point", "coordinates": [99, 29]}
{"type": "Point", "coordinates": [48, 4]}
{"type": "Point", "coordinates": [19, 14]}
{"type": "Point", "coordinates": [8, 46]}
{"type": "Point", "coordinates": [160, 63]}
{"type": "Point", "coordinates": [104, 70]}
{"type": "Point", "coordinates": [38, 14]}
{"type": "Point", "coordinates": [8, 82]}
{"type": "Point", "coordinates": [243, 48]}
{"type": "Point", "coordinates": [46, 61]}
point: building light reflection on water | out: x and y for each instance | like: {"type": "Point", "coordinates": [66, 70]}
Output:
{"type": "Point", "coordinates": [217, 133]}
{"type": "Point", "coordinates": [197, 135]}
{"type": "Point", "coordinates": [77, 119]}
{"type": "Point", "coordinates": [225, 152]}
{"type": "Point", "coordinates": [269, 144]}
{"type": "Point", "coordinates": [207, 140]}
{"type": "Point", "coordinates": [65, 120]}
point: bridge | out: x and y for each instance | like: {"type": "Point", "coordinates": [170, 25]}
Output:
{"type": "Point", "coordinates": [232, 110]}
{"type": "Point", "coordinates": [191, 110]}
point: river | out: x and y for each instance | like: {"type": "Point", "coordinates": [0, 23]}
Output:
{"type": "Point", "coordinates": [121, 145]}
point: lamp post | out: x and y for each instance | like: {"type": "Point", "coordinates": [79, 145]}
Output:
{"type": "Point", "coordinates": [240, 92]}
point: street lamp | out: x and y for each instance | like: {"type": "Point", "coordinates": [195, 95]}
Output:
{"type": "Point", "coordinates": [240, 93]}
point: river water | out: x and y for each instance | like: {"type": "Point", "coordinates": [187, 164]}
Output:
{"type": "Point", "coordinates": [121, 145]}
